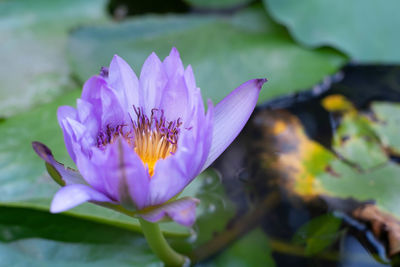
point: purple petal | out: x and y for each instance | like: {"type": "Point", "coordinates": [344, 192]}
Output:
{"type": "Point", "coordinates": [91, 90]}
{"type": "Point", "coordinates": [175, 96]}
{"type": "Point", "coordinates": [112, 112]}
{"type": "Point", "coordinates": [182, 211]}
{"type": "Point", "coordinates": [174, 173]}
{"type": "Point", "coordinates": [202, 127]}
{"type": "Point", "coordinates": [68, 176]}
{"type": "Point", "coordinates": [81, 141]}
{"type": "Point", "coordinates": [132, 176]}
{"type": "Point", "coordinates": [73, 195]}
{"type": "Point", "coordinates": [174, 99]}
{"type": "Point", "coordinates": [170, 177]}
{"type": "Point", "coordinates": [123, 79]}
{"type": "Point", "coordinates": [89, 117]}
{"type": "Point", "coordinates": [231, 114]}
{"type": "Point", "coordinates": [206, 136]}
{"type": "Point", "coordinates": [84, 109]}
{"type": "Point", "coordinates": [91, 172]}
{"type": "Point", "coordinates": [190, 80]}
{"type": "Point", "coordinates": [63, 113]}
{"type": "Point", "coordinates": [195, 108]}
{"type": "Point", "coordinates": [108, 108]}
{"type": "Point", "coordinates": [153, 79]}
{"type": "Point", "coordinates": [122, 173]}
{"type": "Point", "coordinates": [173, 64]}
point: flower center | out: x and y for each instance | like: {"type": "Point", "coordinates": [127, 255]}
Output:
{"type": "Point", "coordinates": [155, 138]}
{"type": "Point", "coordinates": [152, 138]}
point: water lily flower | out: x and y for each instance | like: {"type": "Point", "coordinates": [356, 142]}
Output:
{"type": "Point", "coordinates": [137, 143]}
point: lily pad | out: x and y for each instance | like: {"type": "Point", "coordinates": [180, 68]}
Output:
{"type": "Point", "coordinates": [342, 24]}
{"type": "Point", "coordinates": [25, 182]}
{"type": "Point", "coordinates": [223, 51]}
{"type": "Point", "coordinates": [34, 35]}
{"type": "Point", "coordinates": [309, 169]}
{"type": "Point", "coordinates": [318, 234]}
{"type": "Point", "coordinates": [251, 250]}
{"type": "Point", "coordinates": [355, 136]}
{"type": "Point", "coordinates": [43, 239]}
{"type": "Point", "coordinates": [387, 126]}
{"type": "Point", "coordinates": [59, 240]}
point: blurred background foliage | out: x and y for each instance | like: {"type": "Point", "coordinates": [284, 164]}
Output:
{"type": "Point", "coordinates": [323, 139]}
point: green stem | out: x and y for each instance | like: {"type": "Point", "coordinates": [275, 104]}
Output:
{"type": "Point", "coordinates": [160, 246]}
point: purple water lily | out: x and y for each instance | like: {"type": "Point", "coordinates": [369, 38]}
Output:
{"type": "Point", "coordinates": [137, 143]}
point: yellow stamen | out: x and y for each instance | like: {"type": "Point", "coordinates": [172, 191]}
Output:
{"type": "Point", "coordinates": [152, 145]}
{"type": "Point", "coordinates": [152, 138]}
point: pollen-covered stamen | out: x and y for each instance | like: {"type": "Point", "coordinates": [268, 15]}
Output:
{"type": "Point", "coordinates": [154, 137]}
{"type": "Point", "coordinates": [110, 134]}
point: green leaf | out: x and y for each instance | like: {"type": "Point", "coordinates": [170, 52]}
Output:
{"type": "Point", "coordinates": [380, 182]}
{"type": "Point", "coordinates": [34, 35]}
{"type": "Point", "coordinates": [342, 24]}
{"type": "Point", "coordinates": [251, 250]}
{"type": "Point", "coordinates": [58, 240]}
{"type": "Point", "coordinates": [356, 149]}
{"type": "Point", "coordinates": [387, 125]}
{"type": "Point", "coordinates": [223, 51]}
{"type": "Point", "coordinates": [356, 141]}
{"type": "Point", "coordinates": [318, 234]}
{"type": "Point", "coordinates": [42, 239]}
